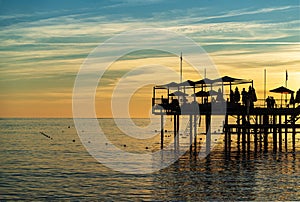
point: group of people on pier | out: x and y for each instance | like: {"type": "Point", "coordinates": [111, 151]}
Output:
{"type": "Point", "coordinates": [248, 97]}
{"type": "Point", "coordinates": [270, 102]}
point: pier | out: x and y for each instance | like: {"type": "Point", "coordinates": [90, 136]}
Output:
{"type": "Point", "coordinates": [250, 120]}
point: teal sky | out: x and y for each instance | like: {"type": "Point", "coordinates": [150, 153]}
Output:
{"type": "Point", "coordinates": [43, 43]}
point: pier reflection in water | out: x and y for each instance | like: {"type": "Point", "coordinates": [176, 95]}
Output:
{"type": "Point", "coordinates": [36, 167]}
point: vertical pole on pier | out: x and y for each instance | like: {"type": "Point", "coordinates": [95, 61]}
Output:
{"type": "Point", "coordinates": [191, 133]}
{"type": "Point", "coordinates": [280, 133]}
{"type": "Point", "coordinates": [266, 130]}
{"type": "Point", "coordinates": [175, 131]}
{"type": "Point", "coordinates": [181, 67]}
{"type": "Point", "coordinates": [208, 132]}
{"type": "Point", "coordinates": [274, 134]}
{"type": "Point", "coordinates": [286, 133]}
{"type": "Point", "coordinates": [161, 130]}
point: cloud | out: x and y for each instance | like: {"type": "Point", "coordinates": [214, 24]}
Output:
{"type": "Point", "coordinates": [45, 49]}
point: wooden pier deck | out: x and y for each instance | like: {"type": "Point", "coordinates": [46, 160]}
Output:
{"type": "Point", "coordinates": [260, 122]}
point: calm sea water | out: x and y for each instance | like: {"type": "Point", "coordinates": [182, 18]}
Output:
{"type": "Point", "coordinates": [34, 166]}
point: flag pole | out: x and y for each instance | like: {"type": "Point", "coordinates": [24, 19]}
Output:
{"type": "Point", "coordinates": [265, 85]}
{"type": "Point", "coordinates": [286, 79]}
{"type": "Point", "coordinates": [181, 67]}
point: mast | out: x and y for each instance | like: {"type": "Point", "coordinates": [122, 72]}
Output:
{"type": "Point", "coordinates": [181, 67]}
{"type": "Point", "coordinates": [265, 85]}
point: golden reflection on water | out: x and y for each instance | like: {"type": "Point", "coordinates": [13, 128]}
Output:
{"type": "Point", "coordinates": [36, 167]}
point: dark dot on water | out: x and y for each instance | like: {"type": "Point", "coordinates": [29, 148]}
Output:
{"type": "Point", "coordinates": [147, 148]}
{"type": "Point", "coordinates": [124, 145]}
{"type": "Point", "coordinates": [73, 140]}
{"type": "Point", "coordinates": [89, 142]}
{"type": "Point", "coordinates": [62, 131]}
{"type": "Point", "coordinates": [69, 126]}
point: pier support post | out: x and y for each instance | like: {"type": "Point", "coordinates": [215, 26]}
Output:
{"type": "Point", "coordinates": [238, 131]}
{"type": "Point", "coordinates": [255, 134]}
{"type": "Point", "coordinates": [195, 133]}
{"type": "Point", "coordinates": [161, 131]}
{"type": "Point", "coordinates": [266, 131]}
{"type": "Point", "coordinates": [175, 130]}
{"type": "Point", "coordinates": [244, 133]}
{"type": "Point", "coordinates": [191, 132]}
{"type": "Point", "coordinates": [274, 134]}
{"type": "Point", "coordinates": [226, 133]}
{"type": "Point", "coordinates": [260, 132]}
{"type": "Point", "coordinates": [286, 133]}
{"type": "Point", "coordinates": [248, 133]}
{"type": "Point", "coordinates": [208, 132]}
{"type": "Point", "coordinates": [177, 135]}
{"type": "Point", "coordinates": [293, 133]}
{"type": "Point", "coordinates": [280, 134]}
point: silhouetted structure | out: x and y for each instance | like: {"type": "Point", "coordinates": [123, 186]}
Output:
{"type": "Point", "coordinates": [251, 119]}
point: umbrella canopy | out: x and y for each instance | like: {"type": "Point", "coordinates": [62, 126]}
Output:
{"type": "Point", "coordinates": [187, 83]}
{"type": "Point", "coordinates": [178, 93]}
{"type": "Point", "coordinates": [212, 92]}
{"type": "Point", "coordinates": [227, 79]}
{"type": "Point", "coordinates": [204, 81]}
{"type": "Point", "coordinates": [201, 93]}
{"type": "Point", "coordinates": [282, 90]}
{"type": "Point", "coordinates": [171, 85]}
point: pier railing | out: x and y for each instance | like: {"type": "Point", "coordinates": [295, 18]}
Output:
{"type": "Point", "coordinates": [261, 103]}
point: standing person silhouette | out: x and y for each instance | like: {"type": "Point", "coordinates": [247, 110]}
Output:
{"type": "Point", "coordinates": [244, 96]}
{"type": "Point", "coordinates": [232, 100]}
{"type": "Point", "coordinates": [237, 95]}
{"type": "Point", "coordinates": [220, 96]}
{"type": "Point", "coordinates": [268, 101]}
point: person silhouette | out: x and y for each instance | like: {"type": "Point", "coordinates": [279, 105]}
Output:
{"type": "Point", "coordinates": [273, 102]}
{"type": "Point", "coordinates": [237, 95]}
{"type": "Point", "coordinates": [244, 96]}
{"type": "Point", "coordinates": [220, 96]}
{"type": "Point", "coordinates": [232, 100]}
{"type": "Point", "coordinates": [268, 101]}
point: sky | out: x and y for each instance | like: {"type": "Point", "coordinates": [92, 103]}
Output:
{"type": "Point", "coordinates": [44, 43]}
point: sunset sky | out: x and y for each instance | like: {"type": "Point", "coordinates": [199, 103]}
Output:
{"type": "Point", "coordinates": [44, 43]}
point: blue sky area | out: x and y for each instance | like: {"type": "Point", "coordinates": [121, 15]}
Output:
{"type": "Point", "coordinates": [43, 43]}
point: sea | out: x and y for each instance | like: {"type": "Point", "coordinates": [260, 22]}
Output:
{"type": "Point", "coordinates": [45, 159]}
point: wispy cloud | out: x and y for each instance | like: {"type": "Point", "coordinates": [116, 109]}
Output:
{"type": "Point", "coordinates": [46, 48]}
